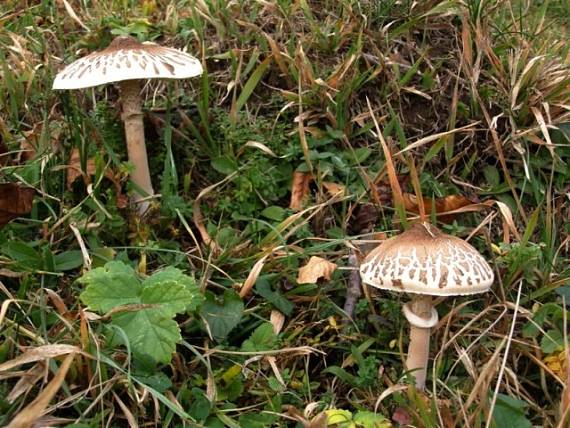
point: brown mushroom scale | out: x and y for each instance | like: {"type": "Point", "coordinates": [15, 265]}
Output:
{"type": "Point", "coordinates": [128, 62]}
{"type": "Point", "coordinates": [426, 262]}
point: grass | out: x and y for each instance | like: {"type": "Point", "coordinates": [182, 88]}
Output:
{"type": "Point", "coordinates": [472, 99]}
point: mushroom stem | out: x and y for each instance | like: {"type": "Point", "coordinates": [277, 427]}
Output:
{"type": "Point", "coordinates": [134, 133]}
{"type": "Point", "coordinates": [422, 317]}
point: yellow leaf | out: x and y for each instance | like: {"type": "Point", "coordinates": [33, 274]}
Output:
{"type": "Point", "coordinates": [334, 189]}
{"type": "Point", "coordinates": [316, 268]}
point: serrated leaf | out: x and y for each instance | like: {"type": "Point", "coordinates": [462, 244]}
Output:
{"type": "Point", "coordinates": [222, 317]}
{"type": "Point", "coordinates": [263, 338]}
{"type": "Point", "coordinates": [168, 282]}
{"type": "Point", "coordinates": [170, 297]}
{"type": "Point", "coordinates": [149, 333]}
{"type": "Point", "coordinates": [149, 327]}
{"type": "Point", "coordinates": [110, 286]}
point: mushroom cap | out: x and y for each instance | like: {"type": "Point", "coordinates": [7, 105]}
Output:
{"type": "Point", "coordinates": [127, 59]}
{"type": "Point", "coordinates": [424, 260]}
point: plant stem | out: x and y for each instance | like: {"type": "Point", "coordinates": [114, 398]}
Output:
{"type": "Point", "coordinates": [134, 133]}
{"type": "Point", "coordinates": [418, 350]}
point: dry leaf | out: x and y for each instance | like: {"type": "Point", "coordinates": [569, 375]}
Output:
{"type": "Point", "coordinates": [26, 382]}
{"type": "Point", "coordinates": [299, 189]}
{"type": "Point", "coordinates": [74, 171]}
{"type": "Point", "coordinates": [401, 416]}
{"type": "Point", "coordinates": [314, 270]}
{"type": "Point", "coordinates": [277, 320]}
{"type": "Point", "coordinates": [38, 353]}
{"type": "Point", "coordinates": [33, 411]}
{"type": "Point", "coordinates": [334, 189]}
{"type": "Point", "coordinates": [442, 205]}
{"type": "Point", "coordinates": [15, 201]}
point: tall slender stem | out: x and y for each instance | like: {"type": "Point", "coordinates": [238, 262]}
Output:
{"type": "Point", "coordinates": [134, 133]}
{"type": "Point", "coordinates": [422, 317]}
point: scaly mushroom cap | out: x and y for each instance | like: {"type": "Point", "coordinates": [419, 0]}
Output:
{"type": "Point", "coordinates": [127, 59]}
{"type": "Point", "coordinates": [425, 260]}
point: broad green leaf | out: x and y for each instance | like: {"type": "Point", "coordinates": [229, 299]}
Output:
{"type": "Point", "coordinates": [170, 297]}
{"type": "Point", "coordinates": [149, 327]}
{"type": "Point", "coordinates": [224, 165]}
{"type": "Point", "coordinates": [510, 412]}
{"type": "Point", "coordinates": [110, 286]}
{"type": "Point", "coordinates": [366, 419]}
{"type": "Point", "coordinates": [222, 317]}
{"type": "Point", "coordinates": [149, 333]}
{"type": "Point", "coordinates": [339, 416]}
{"type": "Point", "coordinates": [263, 338]}
{"type": "Point", "coordinates": [166, 283]}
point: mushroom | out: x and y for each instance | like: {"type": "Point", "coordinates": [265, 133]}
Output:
{"type": "Point", "coordinates": [426, 262]}
{"type": "Point", "coordinates": [129, 62]}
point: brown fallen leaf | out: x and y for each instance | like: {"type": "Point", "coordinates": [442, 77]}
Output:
{"type": "Point", "coordinates": [299, 189]}
{"type": "Point", "coordinates": [401, 416]}
{"type": "Point", "coordinates": [33, 411]}
{"type": "Point", "coordinates": [15, 201]}
{"type": "Point", "coordinates": [74, 171]}
{"type": "Point", "coordinates": [334, 189]}
{"type": "Point", "coordinates": [316, 268]}
{"type": "Point", "coordinates": [439, 205]}
{"type": "Point", "coordinates": [277, 320]}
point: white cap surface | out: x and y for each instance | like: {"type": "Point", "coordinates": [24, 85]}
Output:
{"type": "Point", "coordinates": [127, 59]}
{"type": "Point", "coordinates": [424, 260]}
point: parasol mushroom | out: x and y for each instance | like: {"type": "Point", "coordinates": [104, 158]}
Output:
{"type": "Point", "coordinates": [426, 262]}
{"type": "Point", "coordinates": [130, 62]}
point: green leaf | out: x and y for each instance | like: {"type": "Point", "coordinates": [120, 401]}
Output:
{"type": "Point", "coordinates": [149, 327]}
{"type": "Point", "coordinates": [491, 175]}
{"type": "Point", "coordinates": [263, 288]}
{"type": "Point", "coordinates": [250, 86]}
{"type": "Point", "coordinates": [26, 256]}
{"type": "Point", "coordinates": [224, 165]}
{"type": "Point", "coordinates": [552, 341]}
{"type": "Point", "coordinates": [510, 412]}
{"type": "Point", "coordinates": [274, 213]}
{"type": "Point", "coordinates": [257, 420]}
{"type": "Point", "coordinates": [167, 280]}
{"type": "Point", "coordinates": [263, 338]}
{"type": "Point", "coordinates": [366, 419]}
{"type": "Point", "coordinates": [110, 286]}
{"type": "Point", "coordinates": [339, 416]}
{"type": "Point", "coordinates": [222, 317]}
{"type": "Point", "coordinates": [149, 333]}
{"type": "Point", "coordinates": [170, 297]}
{"type": "Point", "coordinates": [68, 260]}
{"type": "Point", "coordinates": [342, 374]}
